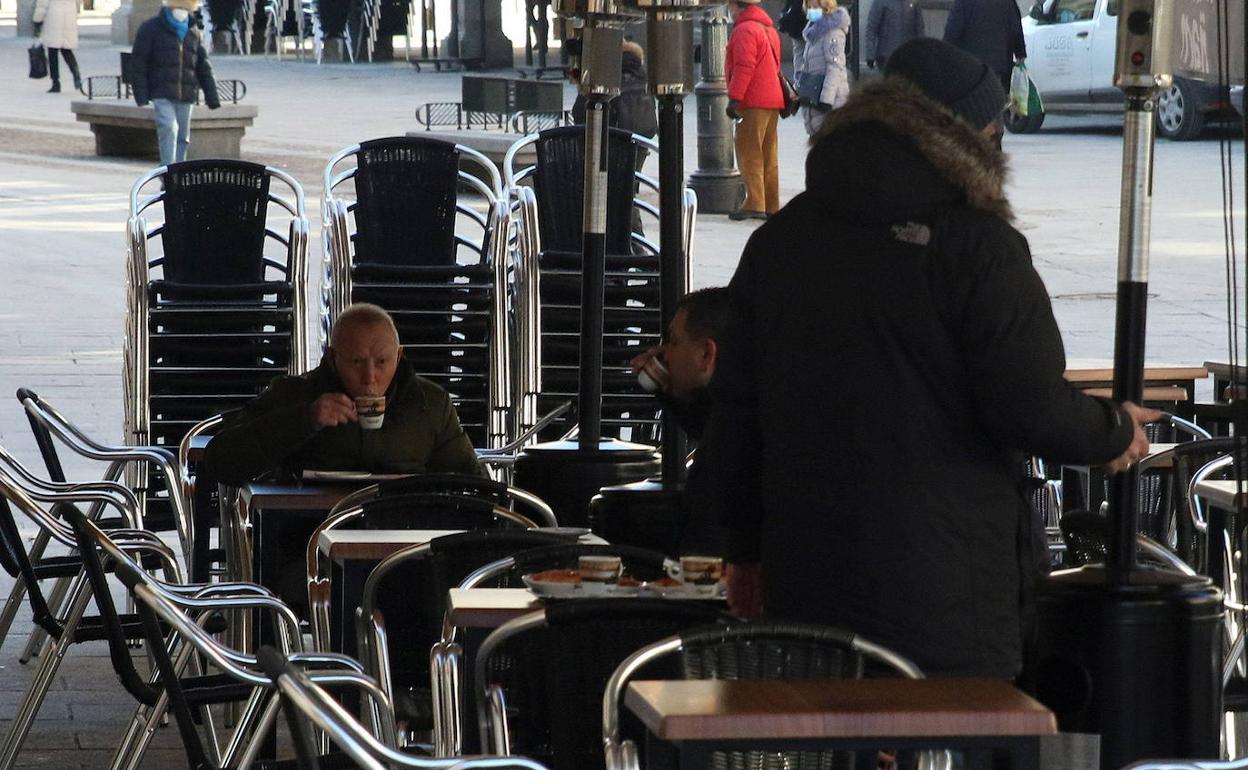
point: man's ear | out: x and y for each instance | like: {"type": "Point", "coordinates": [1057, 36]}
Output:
{"type": "Point", "coordinates": [710, 352]}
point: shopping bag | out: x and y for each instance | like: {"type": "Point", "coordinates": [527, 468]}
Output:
{"type": "Point", "coordinates": [1034, 105]}
{"type": "Point", "coordinates": [38, 61]}
{"type": "Point", "coordinates": [1021, 88]}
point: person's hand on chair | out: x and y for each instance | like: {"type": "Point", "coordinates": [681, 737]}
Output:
{"type": "Point", "coordinates": [1138, 448]}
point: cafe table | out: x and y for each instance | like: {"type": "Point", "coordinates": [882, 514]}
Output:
{"type": "Point", "coordinates": [1224, 498]}
{"type": "Point", "coordinates": [695, 718]}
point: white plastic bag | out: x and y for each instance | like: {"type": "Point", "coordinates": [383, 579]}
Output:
{"type": "Point", "coordinates": [1020, 90]}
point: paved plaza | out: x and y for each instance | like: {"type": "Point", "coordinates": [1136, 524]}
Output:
{"type": "Point", "coordinates": [62, 215]}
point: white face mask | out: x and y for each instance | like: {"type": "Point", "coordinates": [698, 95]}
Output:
{"type": "Point", "coordinates": [181, 14]}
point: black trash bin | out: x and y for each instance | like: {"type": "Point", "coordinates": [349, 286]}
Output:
{"type": "Point", "coordinates": [1139, 664]}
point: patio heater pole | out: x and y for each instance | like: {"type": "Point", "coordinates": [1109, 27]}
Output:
{"type": "Point", "coordinates": [1109, 632]}
{"type": "Point", "coordinates": [594, 262]}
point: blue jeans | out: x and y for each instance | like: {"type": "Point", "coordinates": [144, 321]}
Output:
{"type": "Point", "coordinates": [173, 129]}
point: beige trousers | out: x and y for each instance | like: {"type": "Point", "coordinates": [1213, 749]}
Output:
{"type": "Point", "coordinates": [758, 159]}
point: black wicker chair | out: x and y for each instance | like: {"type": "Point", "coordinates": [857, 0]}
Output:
{"type": "Point", "coordinates": [409, 239]}
{"type": "Point", "coordinates": [546, 703]}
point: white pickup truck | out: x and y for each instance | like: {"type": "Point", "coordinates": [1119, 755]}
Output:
{"type": "Point", "coordinates": [1070, 55]}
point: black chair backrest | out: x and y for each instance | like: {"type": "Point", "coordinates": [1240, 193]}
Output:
{"type": "Point", "coordinates": [448, 483]}
{"type": "Point", "coordinates": [118, 649]}
{"type": "Point", "coordinates": [559, 183]}
{"type": "Point", "coordinates": [770, 651]}
{"type": "Point", "coordinates": [413, 595]}
{"type": "Point", "coordinates": [1190, 457]}
{"type": "Point", "coordinates": [16, 562]}
{"type": "Point", "coordinates": [215, 214]}
{"type": "Point", "coordinates": [406, 189]}
{"type": "Point", "coordinates": [640, 563]}
{"type": "Point", "coordinates": [1087, 536]}
{"type": "Point", "coordinates": [430, 510]}
{"type": "Point", "coordinates": [556, 674]}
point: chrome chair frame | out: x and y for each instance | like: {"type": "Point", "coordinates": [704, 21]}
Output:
{"type": "Point", "coordinates": [495, 224]}
{"type": "Point", "coordinates": [317, 572]}
{"type": "Point", "coordinates": [328, 715]}
{"type": "Point", "coordinates": [623, 754]}
{"type": "Point", "coordinates": [526, 350]}
{"type": "Point", "coordinates": [136, 381]}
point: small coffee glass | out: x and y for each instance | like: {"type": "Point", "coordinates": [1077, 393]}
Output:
{"type": "Point", "coordinates": [371, 411]}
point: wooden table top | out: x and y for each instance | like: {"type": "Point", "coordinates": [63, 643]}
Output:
{"type": "Point", "coordinates": [1223, 370]}
{"type": "Point", "coordinates": [294, 496]}
{"type": "Point", "coordinates": [343, 545]}
{"type": "Point", "coordinates": [861, 708]}
{"type": "Point", "coordinates": [489, 607]}
{"type": "Point", "coordinates": [1154, 374]}
{"type": "Point", "coordinates": [1222, 493]}
{"type": "Point", "coordinates": [1152, 393]}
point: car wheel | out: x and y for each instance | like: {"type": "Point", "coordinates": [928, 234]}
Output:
{"type": "Point", "coordinates": [1023, 124]}
{"type": "Point", "coordinates": [1180, 115]}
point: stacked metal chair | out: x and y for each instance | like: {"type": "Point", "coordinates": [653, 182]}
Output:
{"type": "Point", "coordinates": [216, 297]}
{"type": "Point", "coordinates": [407, 228]}
{"type": "Point", "coordinates": [547, 201]}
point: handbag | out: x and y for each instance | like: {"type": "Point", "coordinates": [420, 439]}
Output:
{"type": "Point", "coordinates": [809, 87]}
{"type": "Point", "coordinates": [38, 61]}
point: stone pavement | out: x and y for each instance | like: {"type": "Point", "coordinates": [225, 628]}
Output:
{"type": "Point", "coordinates": [62, 214]}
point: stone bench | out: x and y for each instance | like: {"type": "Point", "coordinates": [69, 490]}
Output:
{"type": "Point", "coordinates": [126, 130]}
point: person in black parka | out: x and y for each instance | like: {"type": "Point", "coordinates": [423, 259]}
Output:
{"type": "Point", "coordinates": [889, 357]}
{"type": "Point", "coordinates": [167, 67]}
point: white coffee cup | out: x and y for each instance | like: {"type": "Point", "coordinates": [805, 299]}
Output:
{"type": "Point", "coordinates": [371, 411]}
{"type": "Point", "coordinates": [652, 374]}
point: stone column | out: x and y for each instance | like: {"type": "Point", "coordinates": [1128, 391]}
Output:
{"type": "Point", "coordinates": [25, 18]}
{"type": "Point", "coordinates": [480, 34]}
{"type": "Point", "coordinates": [129, 16]}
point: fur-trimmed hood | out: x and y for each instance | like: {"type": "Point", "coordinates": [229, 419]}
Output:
{"type": "Point", "coordinates": [838, 19]}
{"type": "Point", "coordinates": [926, 157]}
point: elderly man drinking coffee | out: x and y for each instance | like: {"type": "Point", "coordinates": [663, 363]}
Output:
{"type": "Point", "coordinates": [362, 409]}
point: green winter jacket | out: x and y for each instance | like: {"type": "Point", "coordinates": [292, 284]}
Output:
{"type": "Point", "coordinates": [275, 433]}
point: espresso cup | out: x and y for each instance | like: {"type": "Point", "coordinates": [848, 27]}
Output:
{"type": "Point", "coordinates": [371, 411]}
{"type": "Point", "coordinates": [652, 375]}
{"type": "Point", "coordinates": [701, 570]}
{"type": "Point", "coordinates": [599, 569]}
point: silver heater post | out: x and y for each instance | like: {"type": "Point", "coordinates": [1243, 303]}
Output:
{"type": "Point", "coordinates": [1141, 70]}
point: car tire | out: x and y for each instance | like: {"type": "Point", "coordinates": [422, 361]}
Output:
{"type": "Point", "coordinates": [1023, 124]}
{"type": "Point", "coordinates": [1180, 114]}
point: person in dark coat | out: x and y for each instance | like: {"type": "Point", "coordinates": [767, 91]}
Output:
{"type": "Point", "coordinates": [989, 30]}
{"type": "Point", "coordinates": [889, 358]}
{"type": "Point", "coordinates": [889, 24]}
{"type": "Point", "coordinates": [168, 65]}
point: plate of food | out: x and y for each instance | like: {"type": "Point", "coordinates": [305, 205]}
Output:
{"type": "Point", "coordinates": [554, 583]}
{"type": "Point", "coordinates": [351, 476]}
{"type": "Point", "coordinates": [570, 533]}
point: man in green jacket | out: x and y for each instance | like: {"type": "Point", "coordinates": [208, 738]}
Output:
{"type": "Point", "coordinates": [309, 422]}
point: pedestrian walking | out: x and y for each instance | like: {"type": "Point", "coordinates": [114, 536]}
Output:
{"type": "Point", "coordinates": [890, 23]}
{"type": "Point", "coordinates": [991, 31]}
{"type": "Point", "coordinates": [57, 22]}
{"type": "Point", "coordinates": [890, 358]}
{"type": "Point", "coordinates": [755, 99]}
{"type": "Point", "coordinates": [822, 77]}
{"type": "Point", "coordinates": [168, 66]}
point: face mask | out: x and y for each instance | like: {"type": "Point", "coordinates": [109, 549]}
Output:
{"type": "Point", "coordinates": [181, 14]}
{"type": "Point", "coordinates": [814, 14]}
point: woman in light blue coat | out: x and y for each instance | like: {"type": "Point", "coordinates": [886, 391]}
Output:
{"type": "Point", "coordinates": [822, 76]}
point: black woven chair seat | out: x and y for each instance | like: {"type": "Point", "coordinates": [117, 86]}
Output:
{"type": "Point", "coordinates": [433, 276]}
{"type": "Point", "coordinates": [616, 263]}
{"type": "Point", "coordinates": [92, 627]}
{"type": "Point", "coordinates": [213, 689]}
{"type": "Point", "coordinates": [209, 295]}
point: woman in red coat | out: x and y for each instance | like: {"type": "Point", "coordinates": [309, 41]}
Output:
{"type": "Point", "coordinates": [752, 64]}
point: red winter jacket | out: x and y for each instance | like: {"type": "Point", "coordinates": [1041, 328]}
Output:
{"type": "Point", "coordinates": [752, 61]}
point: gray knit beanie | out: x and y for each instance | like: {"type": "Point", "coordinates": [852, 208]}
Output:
{"type": "Point", "coordinates": [951, 76]}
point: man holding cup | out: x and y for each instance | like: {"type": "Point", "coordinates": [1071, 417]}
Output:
{"type": "Point", "coordinates": [362, 409]}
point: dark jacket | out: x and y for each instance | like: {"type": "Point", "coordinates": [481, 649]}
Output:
{"type": "Point", "coordinates": [164, 67]}
{"type": "Point", "coordinates": [889, 356]}
{"type": "Point", "coordinates": [421, 432]}
{"type": "Point", "coordinates": [990, 30]}
{"type": "Point", "coordinates": [890, 23]}
{"type": "Point", "coordinates": [633, 109]}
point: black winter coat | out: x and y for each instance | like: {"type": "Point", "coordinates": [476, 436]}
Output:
{"type": "Point", "coordinates": [989, 30]}
{"type": "Point", "coordinates": [890, 354]}
{"type": "Point", "coordinates": [163, 67]}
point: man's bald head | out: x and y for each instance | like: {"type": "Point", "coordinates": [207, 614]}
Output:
{"type": "Point", "coordinates": [362, 314]}
{"type": "Point", "coordinates": [364, 349]}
